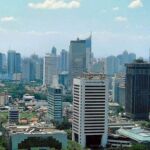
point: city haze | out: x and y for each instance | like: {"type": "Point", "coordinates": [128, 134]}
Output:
{"type": "Point", "coordinates": [35, 26]}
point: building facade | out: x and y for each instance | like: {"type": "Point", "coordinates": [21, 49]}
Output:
{"type": "Point", "coordinates": [55, 103]}
{"type": "Point", "coordinates": [118, 89]}
{"type": "Point", "coordinates": [64, 58]}
{"type": "Point", "coordinates": [50, 68]}
{"type": "Point", "coordinates": [79, 57]}
{"type": "Point", "coordinates": [14, 62]}
{"type": "Point", "coordinates": [13, 116]}
{"type": "Point", "coordinates": [137, 100]}
{"type": "Point", "coordinates": [35, 137]}
{"type": "Point", "coordinates": [2, 63]}
{"type": "Point", "coordinates": [90, 110]}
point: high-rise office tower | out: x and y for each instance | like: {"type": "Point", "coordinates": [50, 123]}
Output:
{"type": "Point", "coordinates": [50, 68]}
{"type": "Point", "coordinates": [64, 58]}
{"type": "Point", "coordinates": [118, 88]}
{"type": "Point", "coordinates": [2, 62]}
{"type": "Point", "coordinates": [137, 98]}
{"type": "Point", "coordinates": [79, 57]}
{"type": "Point", "coordinates": [32, 68]}
{"type": "Point", "coordinates": [18, 63]}
{"type": "Point", "coordinates": [112, 65]}
{"type": "Point", "coordinates": [13, 62]}
{"type": "Point", "coordinates": [124, 58]}
{"type": "Point", "coordinates": [54, 51]}
{"type": "Point", "coordinates": [55, 101]}
{"type": "Point", "coordinates": [39, 69]}
{"type": "Point", "coordinates": [26, 67]}
{"type": "Point", "coordinates": [89, 53]}
{"type": "Point", "coordinates": [90, 110]}
{"type": "Point", "coordinates": [98, 66]}
{"type": "Point", "coordinates": [36, 64]}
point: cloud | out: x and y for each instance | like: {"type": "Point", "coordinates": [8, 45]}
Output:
{"type": "Point", "coordinates": [7, 19]}
{"type": "Point", "coordinates": [135, 4]}
{"type": "Point", "coordinates": [115, 8]}
{"type": "Point", "coordinates": [55, 4]}
{"type": "Point", "coordinates": [121, 19]}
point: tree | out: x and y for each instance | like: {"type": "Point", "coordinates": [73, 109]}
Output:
{"type": "Point", "coordinates": [73, 146]}
{"type": "Point", "coordinates": [3, 143]}
{"type": "Point", "coordinates": [64, 125]}
{"type": "Point", "coordinates": [69, 134]}
{"type": "Point", "coordinates": [138, 147]}
{"type": "Point", "coordinates": [40, 96]}
{"type": "Point", "coordinates": [145, 124]}
{"type": "Point", "coordinates": [68, 98]}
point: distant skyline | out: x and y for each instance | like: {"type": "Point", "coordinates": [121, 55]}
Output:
{"type": "Point", "coordinates": [35, 26]}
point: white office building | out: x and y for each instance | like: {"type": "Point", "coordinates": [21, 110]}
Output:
{"type": "Point", "coordinates": [90, 110]}
{"type": "Point", "coordinates": [50, 68]}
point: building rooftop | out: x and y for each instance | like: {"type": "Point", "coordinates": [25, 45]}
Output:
{"type": "Point", "coordinates": [114, 104]}
{"type": "Point", "coordinates": [91, 76]}
{"type": "Point", "coordinates": [28, 97]}
{"type": "Point", "coordinates": [31, 129]}
{"type": "Point", "coordinates": [137, 134]}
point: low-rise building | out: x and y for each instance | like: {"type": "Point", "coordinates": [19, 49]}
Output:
{"type": "Point", "coordinates": [24, 137]}
{"type": "Point", "coordinates": [13, 115]}
{"type": "Point", "coordinates": [28, 98]}
{"type": "Point", "coordinates": [3, 99]}
{"type": "Point", "coordinates": [116, 141]}
{"type": "Point", "coordinates": [137, 135]}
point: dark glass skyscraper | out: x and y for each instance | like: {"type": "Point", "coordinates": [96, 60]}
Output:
{"type": "Point", "coordinates": [79, 57]}
{"type": "Point", "coordinates": [137, 90]}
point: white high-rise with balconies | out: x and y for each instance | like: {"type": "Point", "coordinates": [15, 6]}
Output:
{"type": "Point", "coordinates": [90, 110]}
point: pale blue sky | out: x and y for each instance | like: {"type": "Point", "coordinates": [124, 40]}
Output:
{"type": "Point", "coordinates": [30, 26]}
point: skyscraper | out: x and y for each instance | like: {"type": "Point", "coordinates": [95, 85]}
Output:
{"type": "Point", "coordinates": [55, 101]}
{"type": "Point", "coordinates": [17, 63]}
{"type": "Point", "coordinates": [64, 58]}
{"type": "Point", "coordinates": [54, 51]}
{"type": "Point", "coordinates": [125, 58]}
{"type": "Point", "coordinates": [39, 69]}
{"type": "Point", "coordinates": [50, 68]}
{"type": "Point", "coordinates": [26, 67]}
{"type": "Point", "coordinates": [2, 62]}
{"type": "Point", "coordinates": [79, 57]}
{"type": "Point", "coordinates": [118, 88]}
{"type": "Point", "coordinates": [137, 98]}
{"type": "Point", "coordinates": [13, 62]}
{"type": "Point", "coordinates": [90, 110]}
{"type": "Point", "coordinates": [112, 65]}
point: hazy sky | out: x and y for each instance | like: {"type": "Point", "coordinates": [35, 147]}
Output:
{"type": "Point", "coordinates": [34, 26]}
